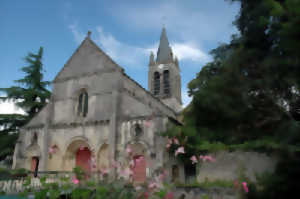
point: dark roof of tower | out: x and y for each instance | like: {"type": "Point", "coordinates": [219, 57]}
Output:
{"type": "Point", "coordinates": [164, 53]}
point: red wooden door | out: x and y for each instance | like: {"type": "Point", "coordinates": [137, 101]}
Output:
{"type": "Point", "coordinates": [139, 169]}
{"type": "Point", "coordinates": [83, 159]}
{"type": "Point", "coordinates": [34, 162]}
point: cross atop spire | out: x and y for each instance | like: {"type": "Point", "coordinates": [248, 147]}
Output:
{"type": "Point", "coordinates": [164, 53]}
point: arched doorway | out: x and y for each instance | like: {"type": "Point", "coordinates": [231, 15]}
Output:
{"type": "Point", "coordinates": [139, 168]}
{"type": "Point", "coordinates": [35, 165]}
{"type": "Point", "coordinates": [78, 153]}
{"type": "Point", "coordinates": [83, 158]}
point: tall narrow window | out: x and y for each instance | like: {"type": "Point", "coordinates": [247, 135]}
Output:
{"type": "Point", "coordinates": [156, 83]}
{"type": "Point", "coordinates": [166, 77]}
{"type": "Point", "coordinates": [82, 108]}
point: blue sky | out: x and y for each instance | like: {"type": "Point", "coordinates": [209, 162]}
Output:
{"type": "Point", "coordinates": [127, 30]}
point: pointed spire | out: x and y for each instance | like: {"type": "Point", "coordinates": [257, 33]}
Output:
{"type": "Point", "coordinates": [151, 61]}
{"type": "Point", "coordinates": [164, 53]}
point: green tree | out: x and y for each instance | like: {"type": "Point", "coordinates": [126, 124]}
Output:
{"type": "Point", "coordinates": [248, 96]}
{"type": "Point", "coordinates": [249, 92]}
{"type": "Point", "coordinates": [31, 96]}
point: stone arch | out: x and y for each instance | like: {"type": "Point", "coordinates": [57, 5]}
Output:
{"type": "Point", "coordinates": [103, 157]}
{"type": "Point", "coordinates": [71, 152]}
{"type": "Point", "coordinates": [142, 161]}
{"type": "Point", "coordinates": [33, 154]}
{"type": "Point", "coordinates": [78, 138]}
{"type": "Point", "coordinates": [145, 146]}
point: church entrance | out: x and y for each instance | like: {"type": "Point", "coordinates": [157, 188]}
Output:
{"type": "Point", "coordinates": [139, 169]}
{"type": "Point", "coordinates": [35, 165]}
{"type": "Point", "coordinates": [83, 159]}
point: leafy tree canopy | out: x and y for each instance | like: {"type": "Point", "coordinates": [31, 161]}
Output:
{"type": "Point", "coordinates": [31, 96]}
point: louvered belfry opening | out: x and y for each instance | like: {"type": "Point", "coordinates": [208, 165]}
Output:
{"type": "Point", "coordinates": [156, 83]}
{"type": "Point", "coordinates": [166, 76]}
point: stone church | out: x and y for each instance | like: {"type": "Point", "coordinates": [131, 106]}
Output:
{"type": "Point", "coordinates": [97, 111]}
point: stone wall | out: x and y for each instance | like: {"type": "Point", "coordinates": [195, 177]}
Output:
{"type": "Point", "coordinates": [230, 165]}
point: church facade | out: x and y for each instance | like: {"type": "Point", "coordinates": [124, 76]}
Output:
{"type": "Point", "coordinates": [96, 112]}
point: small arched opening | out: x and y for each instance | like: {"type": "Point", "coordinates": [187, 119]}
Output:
{"type": "Point", "coordinates": [82, 106]}
{"type": "Point", "coordinates": [156, 83]}
{"type": "Point", "coordinates": [166, 77]}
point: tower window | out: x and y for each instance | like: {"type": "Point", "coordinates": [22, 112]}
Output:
{"type": "Point", "coordinates": [166, 77]}
{"type": "Point", "coordinates": [82, 108]}
{"type": "Point", "coordinates": [156, 83]}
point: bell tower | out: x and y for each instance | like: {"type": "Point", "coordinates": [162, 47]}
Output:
{"type": "Point", "coordinates": [164, 80]}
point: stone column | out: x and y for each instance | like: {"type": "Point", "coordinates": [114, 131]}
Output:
{"type": "Point", "coordinates": [114, 122]}
{"type": "Point", "coordinates": [44, 156]}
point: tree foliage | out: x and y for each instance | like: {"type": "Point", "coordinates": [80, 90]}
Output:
{"type": "Point", "coordinates": [248, 96]}
{"type": "Point", "coordinates": [31, 96]}
{"type": "Point", "coordinates": [250, 91]}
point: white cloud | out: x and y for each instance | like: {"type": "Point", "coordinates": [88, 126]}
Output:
{"type": "Point", "coordinates": [184, 51]}
{"type": "Point", "coordinates": [9, 107]}
{"type": "Point", "coordinates": [185, 98]}
{"type": "Point", "coordinates": [131, 56]}
{"type": "Point", "coordinates": [188, 52]}
{"type": "Point", "coordinates": [78, 35]}
{"type": "Point", "coordinates": [134, 56]}
{"type": "Point", "coordinates": [187, 21]}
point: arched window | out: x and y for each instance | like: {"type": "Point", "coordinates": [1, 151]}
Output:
{"type": "Point", "coordinates": [82, 108]}
{"type": "Point", "coordinates": [156, 83]}
{"type": "Point", "coordinates": [166, 77]}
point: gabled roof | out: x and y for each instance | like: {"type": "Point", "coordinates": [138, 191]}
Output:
{"type": "Point", "coordinates": [86, 44]}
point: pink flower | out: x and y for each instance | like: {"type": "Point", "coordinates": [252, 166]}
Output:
{"type": "Point", "coordinates": [168, 146]}
{"type": "Point", "coordinates": [128, 150]}
{"type": "Point", "coordinates": [175, 140]}
{"type": "Point", "coordinates": [126, 173]}
{"type": "Point", "coordinates": [170, 141]}
{"type": "Point", "coordinates": [179, 150]}
{"type": "Point", "coordinates": [81, 147]}
{"type": "Point", "coordinates": [51, 150]}
{"type": "Point", "coordinates": [147, 123]}
{"type": "Point", "coordinates": [115, 164]}
{"type": "Point", "coordinates": [104, 171]}
{"type": "Point", "coordinates": [245, 186]}
{"type": "Point", "coordinates": [75, 180]}
{"type": "Point", "coordinates": [152, 185]}
{"type": "Point", "coordinates": [207, 158]}
{"type": "Point", "coordinates": [194, 159]}
{"type": "Point", "coordinates": [169, 195]}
